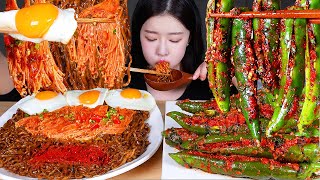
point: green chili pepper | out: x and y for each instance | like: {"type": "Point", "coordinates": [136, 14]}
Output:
{"type": "Point", "coordinates": [205, 128]}
{"type": "Point", "coordinates": [312, 85]}
{"type": "Point", "coordinates": [178, 117]}
{"type": "Point", "coordinates": [212, 139]}
{"type": "Point", "coordinates": [198, 106]}
{"type": "Point", "coordinates": [174, 136]}
{"type": "Point", "coordinates": [218, 52]}
{"type": "Point", "coordinates": [266, 43]}
{"type": "Point", "coordinates": [245, 71]}
{"type": "Point", "coordinates": [243, 144]}
{"type": "Point", "coordinates": [295, 154]}
{"type": "Point", "coordinates": [209, 107]}
{"type": "Point", "coordinates": [241, 166]}
{"type": "Point", "coordinates": [293, 38]}
{"type": "Point", "coordinates": [307, 170]}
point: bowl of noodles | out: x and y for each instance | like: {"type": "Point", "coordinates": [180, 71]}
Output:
{"type": "Point", "coordinates": [26, 154]}
{"type": "Point", "coordinates": [169, 78]}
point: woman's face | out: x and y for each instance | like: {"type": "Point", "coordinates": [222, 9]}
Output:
{"type": "Point", "coordinates": [164, 38]}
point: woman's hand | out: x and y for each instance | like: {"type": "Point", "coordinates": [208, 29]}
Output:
{"type": "Point", "coordinates": [201, 72]}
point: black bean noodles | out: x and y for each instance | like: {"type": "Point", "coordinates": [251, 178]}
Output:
{"type": "Point", "coordinates": [18, 147]}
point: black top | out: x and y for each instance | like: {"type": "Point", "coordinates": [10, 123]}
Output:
{"type": "Point", "coordinates": [11, 96]}
{"type": "Point", "coordinates": [196, 90]}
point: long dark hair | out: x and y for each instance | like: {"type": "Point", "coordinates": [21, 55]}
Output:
{"type": "Point", "coordinates": [186, 12]}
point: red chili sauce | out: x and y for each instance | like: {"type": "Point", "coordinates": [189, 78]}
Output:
{"type": "Point", "coordinates": [71, 155]}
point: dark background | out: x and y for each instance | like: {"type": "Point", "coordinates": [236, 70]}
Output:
{"type": "Point", "coordinates": [132, 3]}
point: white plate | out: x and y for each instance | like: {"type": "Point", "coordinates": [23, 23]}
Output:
{"type": "Point", "coordinates": [170, 168]}
{"type": "Point", "coordinates": [156, 127]}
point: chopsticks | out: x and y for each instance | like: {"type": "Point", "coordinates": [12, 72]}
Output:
{"type": "Point", "coordinates": [148, 71]}
{"type": "Point", "coordinates": [312, 15]}
{"type": "Point", "coordinates": [95, 20]}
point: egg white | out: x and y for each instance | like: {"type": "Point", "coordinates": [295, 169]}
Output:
{"type": "Point", "coordinates": [61, 30]}
{"type": "Point", "coordinates": [73, 100]}
{"type": "Point", "coordinates": [145, 103]}
{"type": "Point", "coordinates": [36, 106]}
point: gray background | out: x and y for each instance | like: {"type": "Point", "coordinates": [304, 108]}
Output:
{"type": "Point", "coordinates": [132, 3]}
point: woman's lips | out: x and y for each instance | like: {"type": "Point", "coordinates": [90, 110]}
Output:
{"type": "Point", "coordinates": [162, 60]}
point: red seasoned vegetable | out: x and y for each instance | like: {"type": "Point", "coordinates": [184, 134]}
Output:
{"type": "Point", "coordinates": [243, 166]}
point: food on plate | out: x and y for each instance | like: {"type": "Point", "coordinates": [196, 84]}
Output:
{"type": "Point", "coordinates": [221, 143]}
{"type": "Point", "coordinates": [287, 148]}
{"type": "Point", "coordinates": [163, 67]}
{"type": "Point", "coordinates": [267, 133]}
{"type": "Point", "coordinates": [89, 98]}
{"type": "Point", "coordinates": [78, 122]}
{"type": "Point", "coordinates": [43, 101]}
{"type": "Point", "coordinates": [73, 141]}
{"type": "Point", "coordinates": [48, 101]}
{"type": "Point", "coordinates": [40, 22]}
{"type": "Point", "coordinates": [244, 166]}
{"type": "Point", "coordinates": [95, 56]}
{"type": "Point", "coordinates": [130, 98]}
{"type": "Point", "coordinates": [198, 106]}
{"type": "Point", "coordinates": [213, 124]}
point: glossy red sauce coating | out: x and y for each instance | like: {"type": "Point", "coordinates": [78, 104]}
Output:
{"type": "Point", "coordinates": [229, 160]}
{"type": "Point", "coordinates": [280, 149]}
{"type": "Point", "coordinates": [8, 40]}
{"type": "Point", "coordinates": [242, 143]}
{"type": "Point", "coordinates": [294, 108]}
{"type": "Point", "coordinates": [288, 72]}
{"type": "Point", "coordinates": [313, 56]}
{"type": "Point", "coordinates": [266, 110]}
{"type": "Point", "coordinates": [71, 155]}
{"type": "Point", "coordinates": [185, 134]}
{"type": "Point", "coordinates": [211, 105]}
{"type": "Point", "coordinates": [216, 52]}
{"type": "Point", "coordinates": [233, 117]}
{"type": "Point", "coordinates": [250, 69]}
{"type": "Point", "coordinates": [78, 122]}
{"type": "Point", "coordinates": [253, 107]}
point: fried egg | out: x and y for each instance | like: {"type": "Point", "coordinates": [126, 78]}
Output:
{"type": "Point", "coordinates": [130, 99]}
{"type": "Point", "coordinates": [45, 100]}
{"type": "Point", "coordinates": [89, 98]}
{"type": "Point", "coordinates": [40, 22]}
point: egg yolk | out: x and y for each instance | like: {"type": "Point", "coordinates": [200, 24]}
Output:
{"type": "Point", "coordinates": [89, 97]}
{"type": "Point", "coordinates": [45, 95]}
{"type": "Point", "coordinates": [35, 21]}
{"type": "Point", "coordinates": [131, 93]}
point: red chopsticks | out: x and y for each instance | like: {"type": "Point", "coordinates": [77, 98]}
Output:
{"type": "Point", "coordinates": [312, 15]}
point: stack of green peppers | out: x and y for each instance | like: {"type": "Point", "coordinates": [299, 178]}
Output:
{"type": "Point", "coordinates": [268, 133]}
{"type": "Point", "coordinates": [310, 112]}
{"type": "Point", "coordinates": [218, 52]}
{"type": "Point", "coordinates": [232, 151]}
{"type": "Point", "coordinates": [292, 72]}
